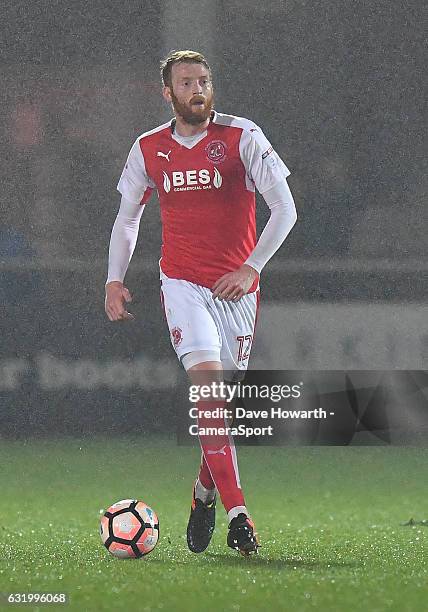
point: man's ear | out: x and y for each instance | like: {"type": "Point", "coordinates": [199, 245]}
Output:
{"type": "Point", "coordinates": [166, 92]}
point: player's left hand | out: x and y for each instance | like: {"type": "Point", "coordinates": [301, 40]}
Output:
{"type": "Point", "coordinates": [233, 285]}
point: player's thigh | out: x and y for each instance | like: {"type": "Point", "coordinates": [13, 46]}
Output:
{"type": "Point", "coordinates": [190, 321]}
{"type": "Point", "coordinates": [236, 323]}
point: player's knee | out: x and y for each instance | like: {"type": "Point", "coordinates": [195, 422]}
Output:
{"type": "Point", "coordinates": [201, 360]}
{"type": "Point", "coordinates": [203, 367]}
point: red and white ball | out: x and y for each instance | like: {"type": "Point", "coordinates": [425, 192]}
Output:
{"type": "Point", "coordinates": [129, 529]}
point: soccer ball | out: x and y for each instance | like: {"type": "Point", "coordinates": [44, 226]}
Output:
{"type": "Point", "coordinates": [129, 529]}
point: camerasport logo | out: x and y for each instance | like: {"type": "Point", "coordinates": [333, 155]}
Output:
{"type": "Point", "coordinates": [216, 151]}
{"type": "Point", "coordinates": [192, 180]}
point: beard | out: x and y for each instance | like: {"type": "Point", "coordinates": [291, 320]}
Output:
{"type": "Point", "coordinates": [191, 113]}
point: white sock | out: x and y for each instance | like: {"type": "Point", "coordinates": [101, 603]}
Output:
{"type": "Point", "coordinates": [233, 512]}
{"type": "Point", "coordinates": [205, 495]}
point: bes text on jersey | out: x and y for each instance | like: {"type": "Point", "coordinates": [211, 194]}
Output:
{"type": "Point", "coordinates": [192, 180]}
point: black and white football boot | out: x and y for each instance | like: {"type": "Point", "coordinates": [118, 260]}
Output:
{"type": "Point", "coordinates": [242, 535]}
{"type": "Point", "coordinates": [200, 527]}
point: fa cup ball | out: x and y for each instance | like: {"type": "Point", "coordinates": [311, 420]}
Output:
{"type": "Point", "coordinates": [129, 529]}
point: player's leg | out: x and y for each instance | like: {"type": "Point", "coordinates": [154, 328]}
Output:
{"type": "Point", "coordinates": [220, 455]}
{"type": "Point", "coordinates": [195, 339]}
{"type": "Point", "coordinates": [204, 488]}
{"type": "Point", "coordinates": [201, 524]}
{"type": "Point", "coordinates": [217, 445]}
{"type": "Point", "coordinates": [205, 485]}
{"type": "Point", "coordinates": [236, 324]}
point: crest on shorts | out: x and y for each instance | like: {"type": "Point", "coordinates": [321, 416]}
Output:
{"type": "Point", "coordinates": [177, 335]}
{"type": "Point", "coordinates": [216, 151]}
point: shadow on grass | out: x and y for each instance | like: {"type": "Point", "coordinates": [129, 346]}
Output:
{"type": "Point", "coordinates": [280, 564]}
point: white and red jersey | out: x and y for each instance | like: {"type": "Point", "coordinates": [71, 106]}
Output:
{"type": "Point", "coordinates": [206, 193]}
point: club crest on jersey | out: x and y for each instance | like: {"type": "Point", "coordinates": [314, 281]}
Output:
{"type": "Point", "coordinates": [216, 151]}
{"type": "Point", "coordinates": [192, 180]}
{"type": "Point", "coordinates": [177, 335]}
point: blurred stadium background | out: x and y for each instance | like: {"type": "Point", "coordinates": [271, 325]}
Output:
{"type": "Point", "coordinates": [338, 87]}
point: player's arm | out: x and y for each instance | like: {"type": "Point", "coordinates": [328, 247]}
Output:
{"type": "Point", "coordinates": [283, 216]}
{"type": "Point", "coordinates": [268, 173]}
{"type": "Point", "coordinates": [122, 244]}
{"type": "Point", "coordinates": [135, 186]}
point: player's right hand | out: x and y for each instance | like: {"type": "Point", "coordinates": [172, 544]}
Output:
{"type": "Point", "coordinates": [117, 295]}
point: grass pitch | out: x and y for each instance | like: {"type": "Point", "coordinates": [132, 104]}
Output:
{"type": "Point", "coordinates": [329, 520]}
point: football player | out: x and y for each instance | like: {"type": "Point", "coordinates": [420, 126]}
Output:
{"type": "Point", "coordinates": [205, 167]}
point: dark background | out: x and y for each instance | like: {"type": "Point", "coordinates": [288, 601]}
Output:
{"type": "Point", "coordinates": [337, 87]}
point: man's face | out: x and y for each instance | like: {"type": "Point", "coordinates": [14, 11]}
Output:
{"type": "Point", "coordinates": [191, 94]}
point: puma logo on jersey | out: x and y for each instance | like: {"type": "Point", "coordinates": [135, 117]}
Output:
{"type": "Point", "coordinates": [192, 180]}
{"type": "Point", "coordinates": [166, 155]}
{"type": "Point", "coordinates": [220, 451]}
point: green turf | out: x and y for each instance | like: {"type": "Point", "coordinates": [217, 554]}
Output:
{"type": "Point", "coordinates": [329, 521]}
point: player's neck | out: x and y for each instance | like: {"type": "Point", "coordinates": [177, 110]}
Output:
{"type": "Point", "coordinates": [186, 129]}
